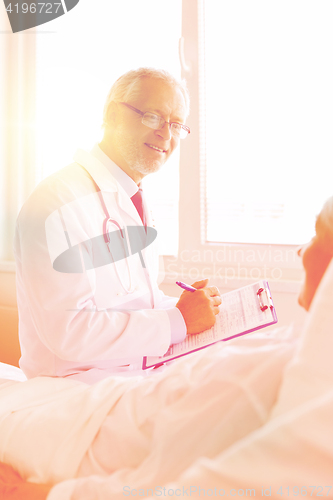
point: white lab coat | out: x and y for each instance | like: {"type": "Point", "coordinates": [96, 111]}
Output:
{"type": "Point", "coordinates": [79, 323]}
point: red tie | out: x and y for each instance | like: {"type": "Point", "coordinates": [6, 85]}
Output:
{"type": "Point", "coordinates": [138, 203]}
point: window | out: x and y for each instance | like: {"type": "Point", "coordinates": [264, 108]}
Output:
{"type": "Point", "coordinates": [17, 120]}
{"type": "Point", "coordinates": [259, 160]}
{"type": "Point", "coordinates": [268, 113]}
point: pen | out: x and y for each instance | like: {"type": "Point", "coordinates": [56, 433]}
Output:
{"type": "Point", "coordinates": [189, 288]}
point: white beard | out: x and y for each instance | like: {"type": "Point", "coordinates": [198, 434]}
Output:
{"type": "Point", "coordinates": [134, 156]}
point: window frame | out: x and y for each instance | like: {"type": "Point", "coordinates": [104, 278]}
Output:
{"type": "Point", "coordinates": [19, 153]}
{"type": "Point", "coordinates": [195, 258]}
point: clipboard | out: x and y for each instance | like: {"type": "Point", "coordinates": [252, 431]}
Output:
{"type": "Point", "coordinates": [242, 311]}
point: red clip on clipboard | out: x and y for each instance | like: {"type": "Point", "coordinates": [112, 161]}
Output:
{"type": "Point", "coordinates": [242, 311]}
{"type": "Point", "coordinates": [265, 299]}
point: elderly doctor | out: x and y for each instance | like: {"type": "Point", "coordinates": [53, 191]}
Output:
{"type": "Point", "coordinates": [86, 311]}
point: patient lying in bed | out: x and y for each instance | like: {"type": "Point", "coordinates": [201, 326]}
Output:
{"type": "Point", "coordinates": [233, 417]}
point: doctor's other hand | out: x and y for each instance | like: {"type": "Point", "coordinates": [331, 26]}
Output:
{"type": "Point", "coordinates": [199, 308]}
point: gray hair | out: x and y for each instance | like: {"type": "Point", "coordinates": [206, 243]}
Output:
{"type": "Point", "coordinates": [324, 224]}
{"type": "Point", "coordinates": [127, 86]}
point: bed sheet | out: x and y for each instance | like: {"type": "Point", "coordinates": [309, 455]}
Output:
{"type": "Point", "coordinates": [290, 455]}
{"type": "Point", "coordinates": [127, 428]}
{"type": "Point", "coordinates": [235, 416]}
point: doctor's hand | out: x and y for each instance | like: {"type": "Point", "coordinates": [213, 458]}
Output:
{"type": "Point", "coordinates": [199, 308]}
{"type": "Point", "coordinates": [13, 487]}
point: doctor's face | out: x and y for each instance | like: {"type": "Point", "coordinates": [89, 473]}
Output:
{"type": "Point", "coordinates": [138, 149]}
{"type": "Point", "coordinates": [315, 258]}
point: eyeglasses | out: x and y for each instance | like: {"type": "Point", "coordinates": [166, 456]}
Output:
{"type": "Point", "coordinates": [156, 122]}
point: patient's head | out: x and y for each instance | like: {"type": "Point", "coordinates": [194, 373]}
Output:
{"type": "Point", "coordinates": [316, 254]}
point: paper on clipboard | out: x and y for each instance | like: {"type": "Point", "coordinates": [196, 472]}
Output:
{"type": "Point", "coordinates": [242, 311]}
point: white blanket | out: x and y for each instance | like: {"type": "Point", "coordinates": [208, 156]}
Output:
{"type": "Point", "coordinates": [232, 417]}
{"type": "Point", "coordinates": [9, 372]}
{"type": "Point", "coordinates": [290, 455]}
{"type": "Point", "coordinates": [198, 406]}
{"type": "Point", "coordinates": [46, 425]}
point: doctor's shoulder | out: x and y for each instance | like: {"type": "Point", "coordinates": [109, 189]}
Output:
{"type": "Point", "coordinates": [58, 189]}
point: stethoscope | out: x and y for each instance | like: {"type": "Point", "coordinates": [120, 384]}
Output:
{"type": "Point", "coordinates": [106, 236]}
{"type": "Point", "coordinates": [123, 232]}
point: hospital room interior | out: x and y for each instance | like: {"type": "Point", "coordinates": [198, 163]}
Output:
{"type": "Point", "coordinates": [242, 209]}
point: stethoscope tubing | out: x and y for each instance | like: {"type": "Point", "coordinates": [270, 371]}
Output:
{"type": "Point", "coordinates": [106, 236]}
{"type": "Point", "coordinates": [105, 229]}
{"type": "Point", "coordinates": [130, 288]}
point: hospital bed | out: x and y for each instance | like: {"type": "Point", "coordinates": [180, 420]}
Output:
{"type": "Point", "coordinates": [255, 413]}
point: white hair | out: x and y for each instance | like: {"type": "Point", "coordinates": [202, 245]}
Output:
{"type": "Point", "coordinates": [127, 86]}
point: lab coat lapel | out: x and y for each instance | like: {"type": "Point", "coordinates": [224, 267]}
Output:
{"type": "Point", "coordinates": [106, 182]}
{"type": "Point", "coordinates": [103, 178]}
{"type": "Point", "coordinates": [149, 217]}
